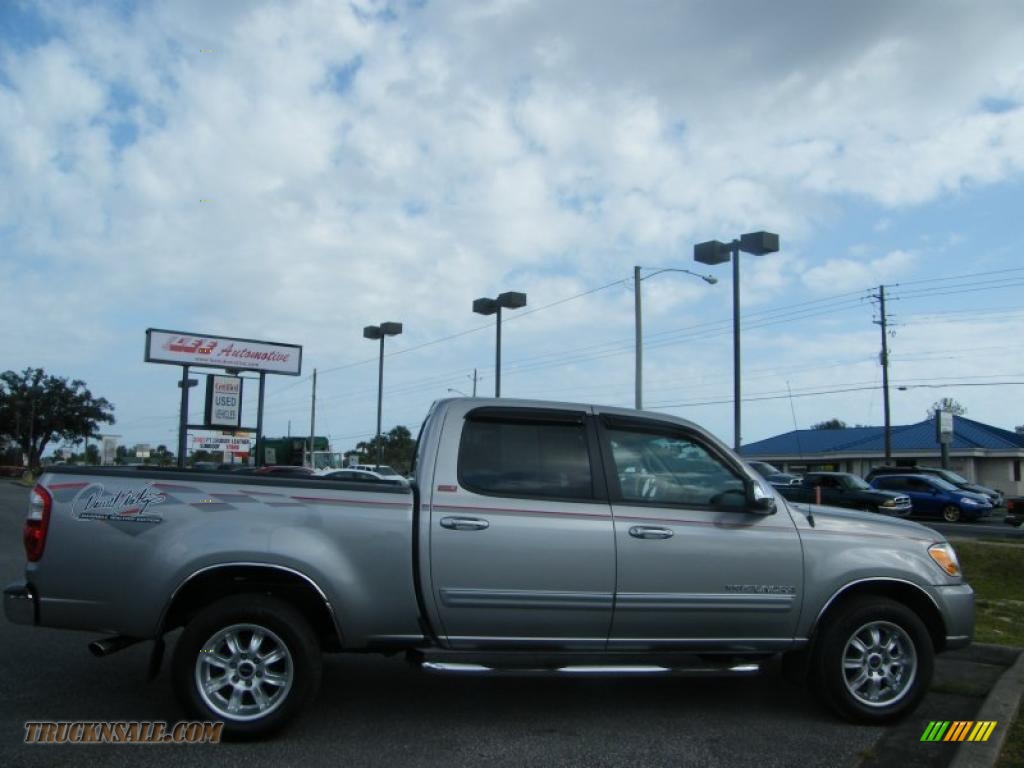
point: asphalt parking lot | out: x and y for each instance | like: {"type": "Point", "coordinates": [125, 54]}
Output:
{"type": "Point", "coordinates": [376, 711]}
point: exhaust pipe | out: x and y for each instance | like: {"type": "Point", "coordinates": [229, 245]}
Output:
{"type": "Point", "coordinates": [101, 648]}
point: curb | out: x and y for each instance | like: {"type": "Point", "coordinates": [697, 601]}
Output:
{"type": "Point", "coordinates": [1001, 705]}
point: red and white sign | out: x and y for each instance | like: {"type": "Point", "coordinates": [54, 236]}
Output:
{"type": "Point", "coordinates": [177, 348]}
{"type": "Point", "coordinates": [222, 443]}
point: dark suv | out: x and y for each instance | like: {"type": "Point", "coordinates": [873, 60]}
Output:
{"type": "Point", "coordinates": [995, 497]}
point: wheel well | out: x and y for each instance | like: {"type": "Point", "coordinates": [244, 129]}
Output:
{"type": "Point", "coordinates": [909, 595]}
{"type": "Point", "coordinates": [207, 587]}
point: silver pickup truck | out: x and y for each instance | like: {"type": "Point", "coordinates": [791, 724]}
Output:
{"type": "Point", "coordinates": [535, 535]}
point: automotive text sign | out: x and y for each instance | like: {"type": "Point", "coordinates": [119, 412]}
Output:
{"type": "Point", "coordinates": [180, 348]}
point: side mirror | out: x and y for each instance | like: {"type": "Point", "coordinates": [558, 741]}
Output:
{"type": "Point", "coordinates": [759, 500]}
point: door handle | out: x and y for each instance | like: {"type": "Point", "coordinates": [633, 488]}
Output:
{"type": "Point", "coordinates": [646, 532]}
{"type": "Point", "coordinates": [464, 523]}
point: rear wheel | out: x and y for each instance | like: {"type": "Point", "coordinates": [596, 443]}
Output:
{"type": "Point", "coordinates": [251, 661]}
{"type": "Point", "coordinates": [951, 513]}
{"type": "Point", "coordinates": [874, 661]}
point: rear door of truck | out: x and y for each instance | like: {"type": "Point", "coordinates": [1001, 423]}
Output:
{"type": "Point", "coordinates": [522, 545]}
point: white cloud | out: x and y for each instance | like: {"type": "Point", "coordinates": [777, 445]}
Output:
{"type": "Point", "coordinates": [839, 275]}
{"type": "Point", "coordinates": [473, 146]}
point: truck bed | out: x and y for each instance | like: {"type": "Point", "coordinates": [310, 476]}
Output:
{"type": "Point", "coordinates": [126, 539]}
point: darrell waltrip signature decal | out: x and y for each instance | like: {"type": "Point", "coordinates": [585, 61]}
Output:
{"type": "Point", "coordinates": [129, 506]}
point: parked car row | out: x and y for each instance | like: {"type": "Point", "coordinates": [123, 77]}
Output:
{"type": "Point", "coordinates": [896, 491]}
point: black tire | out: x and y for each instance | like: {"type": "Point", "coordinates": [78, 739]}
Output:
{"type": "Point", "coordinates": [265, 691]}
{"type": "Point", "coordinates": [951, 513]}
{"type": "Point", "coordinates": [897, 676]}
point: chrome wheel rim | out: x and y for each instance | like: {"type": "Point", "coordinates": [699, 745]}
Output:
{"type": "Point", "coordinates": [879, 664]}
{"type": "Point", "coordinates": [951, 514]}
{"type": "Point", "coordinates": [244, 672]}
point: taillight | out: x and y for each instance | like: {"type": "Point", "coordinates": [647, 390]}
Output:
{"type": "Point", "coordinates": [36, 523]}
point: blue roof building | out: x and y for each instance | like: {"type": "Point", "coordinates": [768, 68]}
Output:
{"type": "Point", "coordinates": [980, 452]}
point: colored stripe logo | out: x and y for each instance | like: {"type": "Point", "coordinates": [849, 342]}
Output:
{"type": "Point", "coordinates": [958, 730]}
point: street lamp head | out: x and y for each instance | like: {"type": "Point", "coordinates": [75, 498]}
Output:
{"type": "Point", "coordinates": [512, 300]}
{"type": "Point", "coordinates": [382, 330]}
{"type": "Point", "coordinates": [759, 243]}
{"type": "Point", "coordinates": [485, 306]}
{"type": "Point", "coordinates": [712, 252]}
{"type": "Point", "coordinates": [709, 279]}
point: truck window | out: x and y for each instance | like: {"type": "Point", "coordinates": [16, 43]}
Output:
{"type": "Point", "coordinates": [516, 458]}
{"type": "Point", "coordinates": [662, 469]}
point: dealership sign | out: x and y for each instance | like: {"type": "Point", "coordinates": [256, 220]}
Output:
{"type": "Point", "coordinates": [221, 443]}
{"type": "Point", "coordinates": [223, 401]}
{"type": "Point", "coordinates": [179, 348]}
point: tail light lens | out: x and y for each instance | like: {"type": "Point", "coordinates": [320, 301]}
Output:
{"type": "Point", "coordinates": [36, 523]}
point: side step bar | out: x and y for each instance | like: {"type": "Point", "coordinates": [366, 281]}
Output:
{"type": "Point", "coordinates": [591, 670]}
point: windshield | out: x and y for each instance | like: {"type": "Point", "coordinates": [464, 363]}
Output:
{"type": "Point", "coordinates": [943, 484]}
{"type": "Point", "coordinates": [852, 481]}
{"type": "Point", "coordinates": [952, 477]}
{"type": "Point", "coordinates": [765, 468]}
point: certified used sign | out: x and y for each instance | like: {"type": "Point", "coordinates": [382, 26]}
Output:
{"type": "Point", "coordinates": [223, 401]}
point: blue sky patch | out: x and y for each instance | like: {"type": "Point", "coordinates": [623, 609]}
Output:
{"type": "Point", "coordinates": [23, 27]}
{"type": "Point", "coordinates": [340, 78]}
{"type": "Point", "coordinates": [998, 106]}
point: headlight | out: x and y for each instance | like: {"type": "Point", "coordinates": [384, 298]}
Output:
{"type": "Point", "coordinates": [945, 557]}
{"type": "Point", "coordinates": [969, 502]}
{"type": "Point", "coordinates": [889, 503]}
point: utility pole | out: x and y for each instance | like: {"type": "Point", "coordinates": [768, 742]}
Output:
{"type": "Point", "coordinates": [474, 382]}
{"type": "Point", "coordinates": [312, 422]}
{"type": "Point", "coordinates": [884, 359]}
{"type": "Point", "coordinates": [638, 360]}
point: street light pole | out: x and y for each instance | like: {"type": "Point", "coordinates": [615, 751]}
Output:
{"type": "Point", "coordinates": [379, 332]}
{"type": "Point", "coordinates": [638, 334]}
{"type": "Point", "coordinates": [736, 398]}
{"type": "Point", "coordinates": [486, 306]}
{"type": "Point", "coordinates": [497, 357]}
{"type": "Point", "coordinates": [715, 252]}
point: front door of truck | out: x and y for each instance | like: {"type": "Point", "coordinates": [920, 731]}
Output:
{"type": "Point", "coordinates": [695, 567]}
{"type": "Point", "coordinates": [522, 546]}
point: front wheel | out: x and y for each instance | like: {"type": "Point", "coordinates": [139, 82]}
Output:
{"type": "Point", "coordinates": [951, 513]}
{"type": "Point", "coordinates": [250, 661]}
{"type": "Point", "coordinates": [874, 661]}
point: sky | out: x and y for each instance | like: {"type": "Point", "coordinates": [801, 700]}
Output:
{"type": "Point", "coordinates": [294, 171]}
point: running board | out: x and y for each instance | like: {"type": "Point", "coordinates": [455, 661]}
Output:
{"type": "Point", "coordinates": [589, 670]}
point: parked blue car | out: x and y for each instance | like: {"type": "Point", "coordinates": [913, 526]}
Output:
{"type": "Point", "coordinates": [934, 497]}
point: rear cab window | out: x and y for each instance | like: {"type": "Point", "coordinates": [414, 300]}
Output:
{"type": "Point", "coordinates": [534, 454]}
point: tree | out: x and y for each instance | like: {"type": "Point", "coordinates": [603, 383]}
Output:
{"type": "Point", "coordinates": [37, 409]}
{"type": "Point", "coordinates": [830, 424]}
{"type": "Point", "coordinates": [398, 449]}
{"type": "Point", "coordinates": [161, 456]}
{"type": "Point", "coordinates": [947, 404]}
